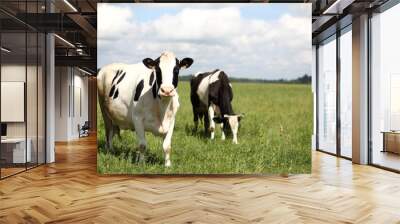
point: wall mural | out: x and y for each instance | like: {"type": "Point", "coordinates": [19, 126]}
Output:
{"type": "Point", "coordinates": [204, 88]}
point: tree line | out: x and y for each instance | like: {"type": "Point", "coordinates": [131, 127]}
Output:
{"type": "Point", "coordinates": [305, 79]}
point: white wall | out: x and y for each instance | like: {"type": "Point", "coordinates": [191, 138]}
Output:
{"type": "Point", "coordinates": [79, 117]}
{"type": "Point", "coordinates": [33, 126]}
{"type": "Point", "coordinates": [70, 83]}
{"type": "Point", "coordinates": [12, 73]}
{"type": "Point", "coordinates": [61, 103]}
{"type": "Point", "coordinates": [16, 73]}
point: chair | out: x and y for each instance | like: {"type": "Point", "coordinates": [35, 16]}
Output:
{"type": "Point", "coordinates": [84, 130]}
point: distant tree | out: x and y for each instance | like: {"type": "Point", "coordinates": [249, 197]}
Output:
{"type": "Point", "coordinates": [305, 79]}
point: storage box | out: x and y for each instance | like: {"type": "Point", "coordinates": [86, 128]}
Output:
{"type": "Point", "coordinates": [391, 142]}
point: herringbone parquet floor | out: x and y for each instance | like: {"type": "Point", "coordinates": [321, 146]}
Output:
{"type": "Point", "coordinates": [70, 191]}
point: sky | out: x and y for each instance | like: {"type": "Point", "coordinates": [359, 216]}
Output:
{"type": "Point", "coordinates": [255, 41]}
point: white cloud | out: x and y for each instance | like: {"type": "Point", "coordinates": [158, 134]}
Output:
{"type": "Point", "coordinates": [215, 38]}
{"type": "Point", "coordinates": [198, 24]}
{"type": "Point", "coordinates": [113, 21]}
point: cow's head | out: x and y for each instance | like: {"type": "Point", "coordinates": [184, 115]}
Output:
{"type": "Point", "coordinates": [167, 68]}
{"type": "Point", "coordinates": [231, 123]}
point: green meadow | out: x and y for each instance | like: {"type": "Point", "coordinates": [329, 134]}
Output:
{"type": "Point", "coordinates": [274, 137]}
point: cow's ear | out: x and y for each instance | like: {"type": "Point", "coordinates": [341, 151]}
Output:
{"type": "Point", "coordinates": [217, 120]}
{"type": "Point", "coordinates": [149, 63]}
{"type": "Point", "coordinates": [185, 63]}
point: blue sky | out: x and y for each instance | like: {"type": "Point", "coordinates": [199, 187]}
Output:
{"type": "Point", "coordinates": [267, 12]}
{"type": "Point", "coordinates": [267, 41]}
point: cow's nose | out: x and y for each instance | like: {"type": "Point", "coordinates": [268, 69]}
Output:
{"type": "Point", "coordinates": [167, 90]}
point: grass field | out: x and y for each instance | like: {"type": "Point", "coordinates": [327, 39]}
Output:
{"type": "Point", "coordinates": [274, 137]}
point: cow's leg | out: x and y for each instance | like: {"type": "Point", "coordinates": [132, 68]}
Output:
{"type": "Point", "coordinates": [206, 123]}
{"type": "Point", "coordinates": [222, 131]}
{"type": "Point", "coordinates": [108, 126]}
{"type": "Point", "coordinates": [117, 131]}
{"type": "Point", "coordinates": [167, 144]}
{"type": "Point", "coordinates": [195, 119]}
{"type": "Point", "coordinates": [212, 123]}
{"type": "Point", "coordinates": [140, 135]}
{"type": "Point", "coordinates": [109, 137]}
{"type": "Point", "coordinates": [109, 132]}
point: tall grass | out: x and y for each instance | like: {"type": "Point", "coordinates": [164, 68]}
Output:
{"type": "Point", "coordinates": [274, 137]}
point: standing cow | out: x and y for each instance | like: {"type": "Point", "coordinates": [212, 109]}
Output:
{"type": "Point", "coordinates": [141, 97]}
{"type": "Point", "coordinates": [211, 96]}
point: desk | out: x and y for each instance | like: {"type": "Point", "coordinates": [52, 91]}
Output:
{"type": "Point", "coordinates": [391, 141]}
{"type": "Point", "coordinates": [13, 150]}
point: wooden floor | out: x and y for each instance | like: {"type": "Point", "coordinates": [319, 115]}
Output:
{"type": "Point", "coordinates": [70, 191]}
{"type": "Point", "coordinates": [387, 159]}
{"type": "Point", "coordinates": [5, 172]}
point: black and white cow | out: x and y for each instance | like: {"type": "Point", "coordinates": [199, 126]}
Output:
{"type": "Point", "coordinates": [141, 97]}
{"type": "Point", "coordinates": [211, 96]}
